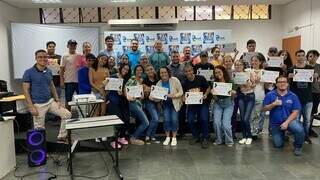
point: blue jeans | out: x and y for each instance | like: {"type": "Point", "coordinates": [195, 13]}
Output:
{"type": "Point", "coordinates": [295, 127]}
{"type": "Point", "coordinates": [151, 108]}
{"type": "Point", "coordinates": [306, 114]}
{"type": "Point", "coordinates": [222, 113]}
{"type": "Point", "coordinates": [70, 88]}
{"type": "Point", "coordinates": [137, 112]}
{"type": "Point", "coordinates": [170, 117]}
{"type": "Point", "coordinates": [261, 120]}
{"type": "Point", "coordinates": [202, 112]}
{"type": "Point", "coordinates": [122, 111]}
{"type": "Point", "coordinates": [246, 104]}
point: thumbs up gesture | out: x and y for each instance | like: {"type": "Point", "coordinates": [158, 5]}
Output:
{"type": "Point", "coordinates": [277, 102]}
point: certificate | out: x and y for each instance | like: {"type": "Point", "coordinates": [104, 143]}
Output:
{"type": "Point", "coordinates": [274, 61]}
{"type": "Point", "coordinates": [194, 97]}
{"type": "Point", "coordinates": [269, 76]}
{"type": "Point", "coordinates": [240, 77]}
{"type": "Point", "coordinates": [158, 92]}
{"type": "Point", "coordinates": [222, 89]}
{"type": "Point", "coordinates": [53, 65]}
{"type": "Point", "coordinates": [228, 48]}
{"type": "Point", "coordinates": [114, 84]}
{"type": "Point", "coordinates": [134, 91]}
{"type": "Point", "coordinates": [208, 74]}
{"type": "Point", "coordinates": [303, 75]}
{"type": "Point", "coordinates": [248, 56]}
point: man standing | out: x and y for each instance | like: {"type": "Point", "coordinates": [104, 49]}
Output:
{"type": "Point", "coordinates": [69, 72]}
{"type": "Point", "coordinates": [134, 54]}
{"type": "Point", "coordinates": [284, 107]}
{"type": "Point", "coordinates": [312, 57]}
{"type": "Point", "coordinates": [109, 51]}
{"type": "Point", "coordinates": [195, 83]}
{"type": "Point", "coordinates": [186, 56]}
{"type": "Point", "coordinates": [54, 61]}
{"type": "Point", "coordinates": [304, 91]}
{"type": "Point", "coordinates": [159, 58]}
{"type": "Point", "coordinates": [41, 95]}
{"type": "Point", "coordinates": [251, 47]}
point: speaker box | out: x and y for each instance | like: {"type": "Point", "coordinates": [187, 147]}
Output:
{"type": "Point", "coordinates": [36, 143]}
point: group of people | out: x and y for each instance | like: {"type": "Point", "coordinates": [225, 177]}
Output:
{"type": "Point", "coordinates": [291, 104]}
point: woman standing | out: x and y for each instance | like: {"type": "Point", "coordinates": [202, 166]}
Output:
{"type": "Point", "coordinates": [124, 59]}
{"type": "Point", "coordinates": [216, 56]}
{"type": "Point", "coordinates": [246, 99]}
{"type": "Point", "coordinates": [86, 49]}
{"type": "Point", "coordinates": [150, 104]}
{"type": "Point", "coordinates": [172, 105]}
{"type": "Point", "coordinates": [135, 107]}
{"type": "Point", "coordinates": [97, 75]}
{"type": "Point", "coordinates": [119, 105]}
{"type": "Point", "coordinates": [112, 65]}
{"type": "Point", "coordinates": [222, 110]}
{"type": "Point", "coordinates": [83, 75]}
{"type": "Point", "coordinates": [286, 60]}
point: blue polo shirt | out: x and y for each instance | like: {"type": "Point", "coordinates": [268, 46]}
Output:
{"type": "Point", "coordinates": [83, 81]}
{"type": "Point", "coordinates": [134, 58]}
{"type": "Point", "coordinates": [279, 114]}
{"type": "Point", "coordinates": [40, 81]}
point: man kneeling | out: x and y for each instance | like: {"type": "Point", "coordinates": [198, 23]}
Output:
{"type": "Point", "coordinates": [284, 107]}
{"type": "Point", "coordinates": [41, 95]}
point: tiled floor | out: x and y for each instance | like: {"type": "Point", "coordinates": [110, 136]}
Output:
{"type": "Point", "coordinates": [259, 161]}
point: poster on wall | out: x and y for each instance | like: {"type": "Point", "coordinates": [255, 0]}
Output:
{"type": "Point", "coordinates": [198, 40]}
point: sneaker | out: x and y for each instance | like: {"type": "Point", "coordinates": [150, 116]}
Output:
{"type": "Point", "coordinates": [147, 140]}
{"type": "Point", "coordinates": [135, 141]}
{"type": "Point", "coordinates": [123, 141]}
{"type": "Point", "coordinates": [193, 141]}
{"type": "Point", "coordinates": [259, 131]}
{"type": "Point", "coordinates": [204, 144]}
{"type": "Point", "coordinates": [166, 141]}
{"type": "Point", "coordinates": [216, 144]}
{"type": "Point", "coordinates": [113, 145]}
{"type": "Point", "coordinates": [155, 140]}
{"type": "Point", "coordinates": [243, 141]}
{"type": "Point", "coordinates": [63, 140]}
{"type": "Point", "coordinates": [297, 151]}
{"type": "Point", "coordinates": [229, 145]}
{"type": "Point", "coordinates": [312, 133]}
{"type": "Point", "coordinates": [97, 140]}
{"type": "Point", "coordinates": [248, 141]}
{"type": "Point", "coordinates": [174, 142]}
{"type": "Point", "coordinates": [104, 138]}
{"type": "Point", "coordinates": [307, 140]}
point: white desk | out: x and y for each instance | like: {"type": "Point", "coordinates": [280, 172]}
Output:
{"type": "Point", "coordinates": [88, 103]}
{"type": "Point", "coordinates": [91, 128]}
{"type": "Point", "coordinates": [7, 151]}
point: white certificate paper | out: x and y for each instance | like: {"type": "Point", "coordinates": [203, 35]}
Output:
{"type": "Point", "coordinates": [114, 84]}
{"type": "Point", "coordinates": [240, 77]}
{"type": "Point", "coordinates": [269, 76]}
{"type": "Point", "coordinates": [222, 89]}
{"type": "Point", "coordinates": [303, 75]}
{"type": "Point", "coordinates": [158, 92]}
{"type": "Point", "coordinates": [194, 98]}
{"type": "Point", "coordinates": [208, 74]}
{"type": "Point", "coordinates": [228, 48]}
{"type": "Point", "coordinates": [134, 91]}
{"type": "Point", "coordinates": [53, 65]}
{"type": "Point", "coordinates": [274, 61]}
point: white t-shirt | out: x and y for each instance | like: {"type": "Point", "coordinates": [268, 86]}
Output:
{"type": "Point", "coordinates": [259, 88]}
{"type": "Point", "coordinates": [70, 63]}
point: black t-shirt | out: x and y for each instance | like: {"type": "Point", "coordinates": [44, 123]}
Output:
{"type": "Point", "coordinates": [206, 66]}
{"type": "Point", "coordinates": [199, 83]}
{"type": "Point", "coordinates": [56, 78]}
{"type": "Point", "coordinates": [302, 89]}
{"type": "Point", "coordinates": [149, 83]}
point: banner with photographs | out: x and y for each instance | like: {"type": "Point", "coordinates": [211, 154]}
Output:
{"type": "Point", "coordinates": [172, 40]}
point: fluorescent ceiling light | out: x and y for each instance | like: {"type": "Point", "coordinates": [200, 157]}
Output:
{"type": "Point", "coordinates": [122, 1]}
{"type": "Point", "coordinates": [46, 1]}
{"type": "Point", "coordinates": [195, 0]}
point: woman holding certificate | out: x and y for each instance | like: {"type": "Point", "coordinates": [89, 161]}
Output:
{"type": "Point", "coordinates": [134, 94]}
{"type": "Point", "coordinates": [119, 104]}
{"type": "Point", "coordinates": [150, 103]}
{"type": "Point", "coordinates": [246, 100]}
{"type": "Point", "coordinates": [222, 110]}
{"type": "Point", "coordinates": [172, 105]}
{"type": "Point", "coordinates": [257, 115]}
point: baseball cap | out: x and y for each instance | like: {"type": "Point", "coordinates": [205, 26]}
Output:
{"type": "Point", "coordinates": [72, 42]}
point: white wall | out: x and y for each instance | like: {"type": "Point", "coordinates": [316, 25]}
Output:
{"type": "Point", "coordinates": [299, 14]}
